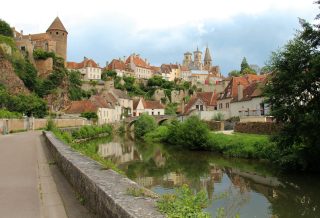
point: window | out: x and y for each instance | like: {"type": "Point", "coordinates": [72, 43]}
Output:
{"type": "Point", "coordinates": [23, 48]}
{"type": "Point", "coordinates": [201, 107]}
{"type": "Point", "coordinates": [57, 33]}
{"type": "Point", "coordinates": [215, 108]}
{"type": "Point", "coordinates": [152, 113]}
{"type": "Point", "coordinates": [220, 105]}
{"type": "Point", "coordinates": [227, 105]}
{"type": "Point", "coordinates": [197, 107]}
{"type": "Point", "coordinates": [158, 112]}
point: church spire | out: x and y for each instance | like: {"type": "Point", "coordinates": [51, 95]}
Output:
{"type": "Point", "coordinates": [207, 58]}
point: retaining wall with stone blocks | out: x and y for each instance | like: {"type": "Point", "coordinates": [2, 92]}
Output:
{"type": "Point", "coordinates": [104, 191]}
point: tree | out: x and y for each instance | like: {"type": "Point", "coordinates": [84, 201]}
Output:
{"type": "Point", "coordinates": [248, 71]}
{"type": "Point", "coordinates": [144, 124]}
{"type": "Point", "coordinates": [244, 65]}
{"type": "Point", "coordinates": [75, 91]}
{"type": "Point", "coordinates": [5, 29]}
{"type": "Point", "coordinates": [234, 73]}
{"type": "Point", "coordinates": [294, 95]}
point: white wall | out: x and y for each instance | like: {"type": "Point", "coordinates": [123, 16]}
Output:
{"type": "Point", "coordinates": [253, 104]}
{"type": "Point", "coordinates": [156, 112]}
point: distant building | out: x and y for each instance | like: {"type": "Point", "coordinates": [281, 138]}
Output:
{"type": "Point", "coordinates": [88, 68]}
{"type": "Point", "coordinates": [152, 108]}
{"type": "Point", "coordinates": [53, 40]}
{"type": "Point", "coordinates": [120, 67]}
{"type": "Point", "coordinates": [170, 71]}
{"type": "Point", "coordinates": [140, 67]}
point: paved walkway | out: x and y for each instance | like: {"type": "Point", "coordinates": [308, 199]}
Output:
{"type": "Point", "coordinates": [29, 182]}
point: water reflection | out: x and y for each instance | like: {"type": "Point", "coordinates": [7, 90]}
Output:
{"type": "Point", "coordinates": [245, 187]}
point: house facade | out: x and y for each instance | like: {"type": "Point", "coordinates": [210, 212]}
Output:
{"type": "Point", "coordinates": [141, 68]}
{"type": "Point", "coordinates": [153, 108]}
{"type": "Point", "coordinates": [120, 67]}
{"type": "Point", "coordinates": [88, 68]}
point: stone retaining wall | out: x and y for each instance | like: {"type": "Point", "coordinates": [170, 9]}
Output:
{"type": "Point", "coordinates": [258, 128]}
{"type": "Point", "coordinates": [104, 191]}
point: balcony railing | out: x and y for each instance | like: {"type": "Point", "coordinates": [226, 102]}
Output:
{"type": "Point", "coordinates": [257, 112]}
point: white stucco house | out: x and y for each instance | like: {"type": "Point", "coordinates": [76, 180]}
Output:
{"type": "Point", "coordinates": [153, 108]}
{"type": "Point", "coordinates": [88, 68]}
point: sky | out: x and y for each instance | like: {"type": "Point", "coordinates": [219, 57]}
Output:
{"type": "Point", "coordinates": [162, 31]}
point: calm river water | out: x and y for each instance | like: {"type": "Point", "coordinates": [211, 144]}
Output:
{"type": "Point", "coordinates": [242, 187]}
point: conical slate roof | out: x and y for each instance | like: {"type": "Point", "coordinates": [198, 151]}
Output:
{"type": "Point", "coordinates": [207, 56]}
{"type": "Point", "coordinates": [57, 25]}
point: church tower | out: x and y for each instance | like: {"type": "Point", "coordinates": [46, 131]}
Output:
{"type": "Point", "coordinates": [59, 34]}
{"type": "Point", "coordinates": [207, 59]}
{"type": "Point", "coordinates": [197, 59]}
{"type": "Point", "coordinates": [187, 61]}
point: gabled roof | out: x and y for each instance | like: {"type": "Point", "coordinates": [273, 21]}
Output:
{"type": "Point", "coordinates": [152, 104]}
{"type": "Point", "coordinates": [135, 103]}
{"type": "Point", "coordinates": [78, 107]}
{"type": "Point", "coordinates": [252, 91]}
{"type": "Point", "coordinates": [117, 65]}
{"type": "Point", "coordinates": [85, 63]}
{"type": "Point", "coordinates": [139, 62]}
{"type": "Point", "coordinates": [207, 98]}
{"type": "Point", "coordinates": [57, 25]}
{"type": "Point", "coordinates": [231, 91]}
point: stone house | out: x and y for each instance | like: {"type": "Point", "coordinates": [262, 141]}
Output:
{"type": "Point", "coordinates": [124, 101]}
{"type": "Point", "coordinates": [120, 67]}
{"type": "Point", "coordinates": [106, 111]}
{"type": "Point", "coordinates": [140, 67]}
{"type": "Point", "coordinates": [153, 108]}
{"type": "Point", "coordinates": [170, 71]}
{"type": "Point", "coordinates": [250, 101]}
{"type": "Point", "coordinates": [230, 93]}
{"type": "Point", "coordinates": [88, 68]}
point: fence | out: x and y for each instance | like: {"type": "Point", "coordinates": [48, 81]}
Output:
{"type": "Point", "coordinates": [17, 125]}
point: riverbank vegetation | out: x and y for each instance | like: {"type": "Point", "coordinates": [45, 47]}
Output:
{"type": "Point", "coordinates": [88, 148]}
{"type": "Point", "coordinates": [193, 134]}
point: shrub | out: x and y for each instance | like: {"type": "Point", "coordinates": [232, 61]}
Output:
{"type": "Point", "coordinates": [5, 29]}
{"type": "Point", "coordinates": [218, 116]}
{"type": "Point", "coordinates": [40, 54]}
{"type": "Point", "coordinates": [91, 131]}
{"type": "Point", "coordinates": [192, 133]}
{"type": "Point", "coordinates": [158, 135]}
{"type": "Point", "coordinates": [144, 124]}
{"type": "Point", "coordinates": [183, 203]}
{"type": "Point", "coordinates": [50, 125]}
{"type": "Point", "coordinates": [8, 114]}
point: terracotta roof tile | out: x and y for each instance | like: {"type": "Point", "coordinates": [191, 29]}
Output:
{"type": "Point", "coordinates": [57, 25]}
{"type": "Point", "coordinates": [85, 63]}
{"type": "Point", "coordinates": [152, 104]}
{"type": "Point", "coordinates": [78, 107]}
{"type": "Point", "coordinates": [117, 65]}
{"type": "Point", "coordinates": [139, 62]}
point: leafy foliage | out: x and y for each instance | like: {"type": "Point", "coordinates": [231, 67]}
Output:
{"type": "Point", "coordinates": [144, 124]}
{"type": "Point", "coordinates": [75, 91]}
{"type": "Point", "coordinates": [183, 203]}
{"type": "Point", "coordinates": [8, 114]}
{"type": "Point", "coordinates": [171, 109]}
{"type": "Point", "coordinates": [294, 96]}
{"type": "Point", "coordinates": [234, 73]}
{"type": "Point", "coordinates": [91, 131]}
{"type": "Point", "coordinates": [89, 115]}
{"type": "Point", "coordinates": [5, 29]}
{"type": "Point", "coordinates": [191, 134]}
{"type": "Point", "coordinates": [244, 65]}
{"type": "Point", "coordinates": [40, 54]}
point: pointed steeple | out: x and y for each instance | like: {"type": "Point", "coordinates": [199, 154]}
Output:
{"type": "Point", "coordinates": [57, 25]}
{"type": "Point", "coordinates": [207, 56]}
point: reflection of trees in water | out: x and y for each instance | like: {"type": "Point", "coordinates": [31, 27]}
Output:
{"type": "Point", "coordinates": [158, 165]}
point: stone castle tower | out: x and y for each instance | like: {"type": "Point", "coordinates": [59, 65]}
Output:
{"type": "Point", "coordinates": [207, 59]}
{"type": "Point", "coordinates": [197, 59]}
{"type": "Point", "coordinates": [59, 34]}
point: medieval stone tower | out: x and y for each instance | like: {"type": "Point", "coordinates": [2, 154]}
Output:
{"type": "Point", "coordinates": [187, 61]}
{"type": "Point", "coordinates": [207, 59]}
{"type": "Point", "coordinates": [197, 59]}
{"type": "Point", "coordinates": [60, 35]}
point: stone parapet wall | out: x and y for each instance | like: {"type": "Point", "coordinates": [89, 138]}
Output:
{"type": "Point", "coordinates": [258, 128]}
{"type": "Point", "coordinates": [104, 191]}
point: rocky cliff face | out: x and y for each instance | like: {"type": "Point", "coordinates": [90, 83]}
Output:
{"type": "Point", "coordinates": [9, 78]}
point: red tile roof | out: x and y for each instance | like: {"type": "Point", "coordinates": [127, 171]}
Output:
{"type": "Point", "coordinates": [139, 62]}
{"type": "Point", "coordinates": [208, 98]}
{"type": "Point", "coordinates": [117, 65]}
{"type": "Point", "coordinates": [78, 107]}
{"type": "Point", "coordinates": [85, 63]}
{"type": "Point", "coordinates": [152, 104]}
{"type": "Point", "coordinates": [231, 91]}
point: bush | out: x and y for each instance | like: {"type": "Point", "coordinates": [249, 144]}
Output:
{"type": "Point", "coordinates": [183, 203]}
{"type": "Point", "coordinates": [218, 116]}
{"type": "Point", "coordinates": [91, 131]}
{"type": "Point", "coordinates": [144, 124]}
{"type": "Point", "coordinates": [40, 54]}
{"type": "Point", "coordinates": [8, 114]}
{"type": "Point", "coordinates": [5, 29]}
{"type": "Point", "coordinates": [192, 133]}
{"type": "Point", "coordinates": [158, 135]}
{"type": "Point", "coordinates": [50, 125]}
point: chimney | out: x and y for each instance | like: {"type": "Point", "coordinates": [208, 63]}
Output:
{"type": "Point", "coordinates": [240, 91]}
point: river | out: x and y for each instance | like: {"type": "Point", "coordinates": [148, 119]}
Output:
{"type": "Point", "coordinates": [248, 188]}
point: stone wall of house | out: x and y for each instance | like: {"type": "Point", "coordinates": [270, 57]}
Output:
{"type": "Point", "coordinates": [104, 191]}
{"type": "Point", "coordinates": [257, 128]}
{"type": "Point", "coordinates": [44, 67]}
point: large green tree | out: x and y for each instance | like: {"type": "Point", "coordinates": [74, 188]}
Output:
{"type": "Point", "coordinates": [5, 29]}
{"type": "Point", "coordinates": [294, 95]}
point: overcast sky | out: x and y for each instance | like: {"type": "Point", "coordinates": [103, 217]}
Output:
{"type": "Point", "coordinates": [163, 30]}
